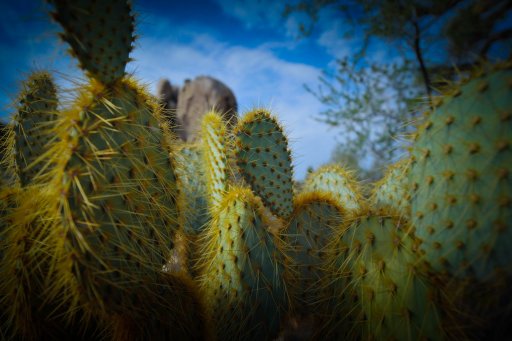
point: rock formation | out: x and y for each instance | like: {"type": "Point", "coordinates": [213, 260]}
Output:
{"type": "Point", "coordinates": [188, 105]}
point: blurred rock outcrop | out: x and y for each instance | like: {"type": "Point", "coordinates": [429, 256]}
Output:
{"type": "Point", "coordinates": [186, 106]}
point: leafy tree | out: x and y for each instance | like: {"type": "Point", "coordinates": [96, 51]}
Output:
{"type": "Point", "coordinates": [434, 40]}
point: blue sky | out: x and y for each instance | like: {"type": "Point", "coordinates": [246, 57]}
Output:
{"type": "Point", "coordinates": [246, 44]}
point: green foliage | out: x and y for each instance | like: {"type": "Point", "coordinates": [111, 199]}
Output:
{"type": "Point", "coordinates": [358, 100]}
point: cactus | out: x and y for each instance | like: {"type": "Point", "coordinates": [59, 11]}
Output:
{"type": "Point", "coordinates": [315, 218]}
{"type": "Point", "coordinates": [192, 203]}
{"type": "Point", "coordinates": [21, 267]}
{"type": "Point", "coordinates": [24, 207]}
{"type": "Point", "coordinates": [460, 179]}
{"type": "Point", "coordinates": [262, 154]}
{"type": "Point", "coordinates": [28, 137]}
{"type": "Point", "coordinates": [391, 192]}
{"type": "Point", "coordinates": [215, 158]}
{"type": "Point", "coordinates": [27, 314]}
{"type": "Point", "coordinates": [380, 288]}
{"type": "Point", "coordinates": [193, 194]}
{"type": "Point", "coordinates": [109, 229]}
{"type": "Point", "coordinates": [100, 35]}
{"type": "Point", "coordinates": [114, 188]}
{"type": "Point", "coordinates": [339, 183]}
{"type": "Point", "coordinates": [460, 186]}
{"type": "Point", "coordinates": [243, 271]}
{"type": "Point", "coordinates": [113, 184]}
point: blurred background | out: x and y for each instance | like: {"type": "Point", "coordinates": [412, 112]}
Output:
{"type": "Point", "coordinates": [344, 77]}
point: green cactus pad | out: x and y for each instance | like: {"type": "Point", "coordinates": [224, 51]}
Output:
{"type": "Point", "coordinates": [35, 115]}
{"type": "Point", "coordinates": [381, 290]}
{"type": "Point", "coordinates": [461, 178]}
{"type": "Point", "coordinates": [194, 214]}
{"type": "Point", "coordinates": [264, 159]}
{"type": "Point", "coordinates": [114, 188]}
{"type": "Point", "coordinates": [337, 181]}
{"type": "Point", "coordinates": [243, 268]}
{"type": "Point", "coordinates": [391, 192]}
{"type": "Point", "coordinates": [27, 312]}
{"type": "Point", "coordinates": [315, 219]}
{"type": "Point", "coordinates": [192, 184]}
{"type": "Point", "coordinates": [215, 157]}
{"type": "Point", "coordinates": [100, 34]}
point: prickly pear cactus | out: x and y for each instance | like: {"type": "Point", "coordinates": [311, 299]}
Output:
{"type": "Point", "coordinates": [215, 160]}
{"type": "Point", "coordinates": [193, 199]}
{"type": "Point", "coordinates": [113, 184]}
{"type": "Point", "coordinates": [391, 191]}
{"type": "Point", "coordinates": [460, 178]}
{"type": "Point", "coordinates": [315, 219]}
{"type": "Point", "coordinates": [100, 34]}
{"type": "Point", "coordinates": [114, 188]}
{"type": "Point", "coordinates": [337, 181]}
{"type": "Point", "coordinates": [243, 271]}
{"type": "Point", "coordinates": [26, 136]}
{"type": "Point", "coordinates": [380, 289]}
{"type": "Point", "coordinates": [262, 154]}
{"type": "Point", "coordinates": [24, 308]}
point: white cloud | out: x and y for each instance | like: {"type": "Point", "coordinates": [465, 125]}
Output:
{"type": "Point", "coordinates": [258, 78]}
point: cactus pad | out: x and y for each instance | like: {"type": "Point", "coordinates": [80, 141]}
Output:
{"type": "Point", "coordinates": [264, 159]}
{"type": "Point", "coordinates": [337, 181]}
{"type": "Point", "coordinates": [100, 34]}
{"type": "Point", "coordinates": [215, 157]}
{"type": "Point", "coordinates": [193, 197]}
{"type": "Point", "coordinates": [382, 291]}
{"type": "Point", "coordinates": [243, 271]}
{"type": "Point", "coordinates": [460, 178]}
{"type": "Point", "coordinates": [35, 115]}
{"type": "Point", "coordinates": [391, 192]}
{"type": "Point", "coordinates": [315, 219]}
{"type": "Point", "coordinates": [115, 189]}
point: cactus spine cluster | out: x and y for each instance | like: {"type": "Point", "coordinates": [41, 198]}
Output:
{"type": "Point", "coordinates": [110, 229]}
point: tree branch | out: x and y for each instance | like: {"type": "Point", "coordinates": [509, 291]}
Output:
{"type": "Point", "coordinates": [419, 57]}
